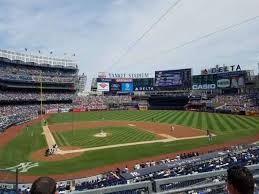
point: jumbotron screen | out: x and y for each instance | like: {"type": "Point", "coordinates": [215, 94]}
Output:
{"type": "Point", "coordinates": [173, 79]}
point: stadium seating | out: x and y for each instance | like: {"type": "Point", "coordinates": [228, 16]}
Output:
{"type": "Point", "coordinates": [186, 164]}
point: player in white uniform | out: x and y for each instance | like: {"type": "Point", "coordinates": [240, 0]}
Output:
{"type": "Point", "coordinates": [172, 128]}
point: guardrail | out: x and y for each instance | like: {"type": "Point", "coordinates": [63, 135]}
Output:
{"type": "Point", "coordinates": [180, 184]}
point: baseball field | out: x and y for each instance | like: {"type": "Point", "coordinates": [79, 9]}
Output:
{"type": "Point", "coordinates": [130, 137]}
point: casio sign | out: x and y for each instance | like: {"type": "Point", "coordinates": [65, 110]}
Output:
{"type": "Point", "coordinates": [204, 86]}
{"type": "Point", "coordinates": [223, 83]}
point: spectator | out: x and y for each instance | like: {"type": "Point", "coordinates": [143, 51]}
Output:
{"type": "Point", "coordinates": [240, 180]}
{"type": "Point", "coordinates": [44, 185]}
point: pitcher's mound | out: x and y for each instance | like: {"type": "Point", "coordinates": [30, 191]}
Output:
{"type": "Point", "coordinates": [102, 134]}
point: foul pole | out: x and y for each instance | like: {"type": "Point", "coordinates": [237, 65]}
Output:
{"type": "Point", "coordinates": [41, 98]}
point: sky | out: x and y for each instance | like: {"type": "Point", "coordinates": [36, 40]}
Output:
{"type": "Point", "coordinates": [100, 33]}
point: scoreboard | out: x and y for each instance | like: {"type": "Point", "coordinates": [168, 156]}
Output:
{"type": "Point", "coordinates": [173, 79]}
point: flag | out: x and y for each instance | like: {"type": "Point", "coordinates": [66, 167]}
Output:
{"type": "Point", "coordinates": [26, 49]}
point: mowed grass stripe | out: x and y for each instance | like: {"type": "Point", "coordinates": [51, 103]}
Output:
{"type": "Point", "coordinates": [195, 120]}
{"type": "Point", "coordinates": [188, 119]}
{"type": "Point", "coordinates": [174, 116]}
{"type": "Point", "coordinates": [227, 123]}
{"type": "Point", "coordinates": [232, 124]}
{"type": "Point", "coordinates": [180, 118]}
{"type": "Point", "coordinates": [199, 124]}
{"type": "Point", "coordinates": [166, 117]}
{"type": "Point", "coordinates": [248, 121]}
{"type": "Point", "coordinates": [145, 117]}
{"type": "Point", "coordinates": [160, 116]}
{"type": "Point", "coordinates": [211, 123]}
{"type": "Point", "coordinates": [241, 123]}
{"type": "Point", "coordinates": [255, 120]}
{"type": "Point", "coordinates": [220, 126]}
{"type": "Point", "coordinates": [204, 121]}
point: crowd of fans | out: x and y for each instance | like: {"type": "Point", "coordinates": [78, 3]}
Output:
{"type": "Point", "coordinates": [235, 103]}
{"type": "Point", "coordinates": [236, 156]}
{"type": "Point", "coordinates": [27, 96]}
{"type": "Point", "coordinates": [101, 102]}
{"type": "Point", "coordinates": [35, 74]}
{"type": "Point", "coordinates": [11, 115]}
{"type": "Point", "coordinates": [37, 79]}
{"type": "Point", "coordinates": [34, 70]}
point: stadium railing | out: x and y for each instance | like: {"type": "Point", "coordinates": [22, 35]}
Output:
{"type": "Point", "coordinates": [181, 184]}
{"type": "Point", "coordinates": [145, 186]}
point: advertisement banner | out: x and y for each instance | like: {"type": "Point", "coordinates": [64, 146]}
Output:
{"type": "Point", "coordinates": [103, 86]}
{"type": "Point", "coordinates": [236, 79]}
{"type": "Point", "coordinates": [115, 87]}
{"type": "Point", "coordinates": [81, 109]}
{"type": "Point", "coordinates": [127, 87]}
{"type": "Point", "coordinates": [54, 110]}
{"type": "Point", "coordinates": [223, 83]}
{"type": "Point", "coordinates": [221, 69]}
{"type": "Point", "coordinates": [144, 84]}
{"type": "Point", "coordinates": [144, 88]}
{"type": "Point", "coordinates": [64, 109]}
{"type": "Point", "coordinates": [104, 80]}
{"type": "Point", "coordinates": [204, 82]}
{"type": "Point", "coordinates": [204, 86]}
{"type": "Point", "coordinates": [124, 80]}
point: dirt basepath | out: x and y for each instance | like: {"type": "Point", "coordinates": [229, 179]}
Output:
{"type": "Point", "coordinates": [49, 137]}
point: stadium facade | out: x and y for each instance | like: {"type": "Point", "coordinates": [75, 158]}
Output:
{"type": "Point", "coordinates": [179, 89]}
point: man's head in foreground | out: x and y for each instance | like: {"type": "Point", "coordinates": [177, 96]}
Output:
{"type": "Point", "coordinates": [44, 185]}
{"type": "Point", "coordinates": [240, 180]}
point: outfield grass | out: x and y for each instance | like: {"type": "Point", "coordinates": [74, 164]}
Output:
{"type": "Point", "coordinates": [227, 127]}
{"type": "Point", "coordinates": [217, 123]}
{"type": "Point", "coordinates": [117, 135]}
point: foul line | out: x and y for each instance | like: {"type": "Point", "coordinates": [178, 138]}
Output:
{"type": "Point", "coordinates": [49, 137]}
{"type": "Point", "coordinates": [126, 144]}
